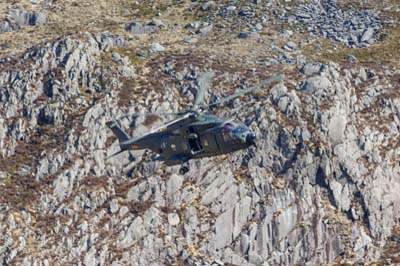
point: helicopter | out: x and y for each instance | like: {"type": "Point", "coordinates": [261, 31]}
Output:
{"type": "Point", "coordinates": [193, 134]}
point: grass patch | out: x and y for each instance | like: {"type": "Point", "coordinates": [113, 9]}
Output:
{"type": "Point", "coordinates": [148, 9]}
{"type": "Point", "coordinates": [151, 119]}
{"type": "Point", "coordinates": [138, 208]}
{"type": "Point", "coordinates": [385, 52]}
{"type": "Point", "coordinates": [129, 52]}
{"type": "Point", "coordinates": [127, 92]}
{"type": "Point", "coordinates": [362, 4]}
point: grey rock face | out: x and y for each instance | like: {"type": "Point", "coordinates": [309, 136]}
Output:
{"type": "Point", "coordinates": [39, 18]}
{"type": "Point", "coordinates": [18, 18]}
{"type": "Point", "coordinates": [173, 219]}
{"type": "Point", "coordinates": [310, 69]}
{"type": "Point", "coordinates": [323, 179]}
{"type": "Point", "coordinates": [5, 26]}
{"type": "Point", "coordinates": [337, 126]}
{"type": "Point", "coordinates": [22, 17]}
{"type": "Point", "coordinates": [114, 206]}
{"type": "Point", "coordinates": [134, 233]}
{"type": "Point", "coordinates": [174, 184]}
{"type": "Point", "coordinates": [317, 84]}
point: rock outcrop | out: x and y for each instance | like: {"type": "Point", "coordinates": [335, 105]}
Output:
{"type": "Point", "coordinates": [18, 18]}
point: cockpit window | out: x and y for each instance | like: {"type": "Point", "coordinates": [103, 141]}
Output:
{"type": "Point", "coordinates": [241, 128]}
{"type": "Point", "coordinates": [228, 127]}
{"type": "Point", "coordinates": [239, 131]}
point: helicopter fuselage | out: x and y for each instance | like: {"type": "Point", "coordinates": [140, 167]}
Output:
{"type": "Point", "coordinates": [194, 134]}
{"type": "Point", "coordinates": [192, 137]}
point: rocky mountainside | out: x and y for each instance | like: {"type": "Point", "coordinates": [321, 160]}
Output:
{"type": "Point", "coordinates": [321, 187]}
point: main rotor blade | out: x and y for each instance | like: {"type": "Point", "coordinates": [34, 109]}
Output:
{"type": "Point", "coordinates": [204, 81]}
{"type": "Point", "coordinates": [156, 114]}
{"type": "Point", "coordinates": [147, 114]}
{"type": "Point", "coordinates": [114, 154]}
{"type": "Point", "coordinates": [247, 90]}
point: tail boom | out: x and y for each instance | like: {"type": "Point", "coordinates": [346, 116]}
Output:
{"type": "Point", "coordinates": [121, 135]}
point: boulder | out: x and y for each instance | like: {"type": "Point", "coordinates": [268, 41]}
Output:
{"type": "Point", "coordinates": [138, 28]}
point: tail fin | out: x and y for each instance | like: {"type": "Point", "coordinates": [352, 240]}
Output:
{"type": "Point", "coordinates": [117, 130]}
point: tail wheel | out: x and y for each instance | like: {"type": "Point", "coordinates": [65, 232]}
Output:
{"type": "Point", "coordinates": [184, 170]}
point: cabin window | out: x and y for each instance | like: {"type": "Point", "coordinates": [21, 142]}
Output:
{"type": "Point", "coordinates": [205, 143]}
{"type": "Point", "coordinates": [226, 136]}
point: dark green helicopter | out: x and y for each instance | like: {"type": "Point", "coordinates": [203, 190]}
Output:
{"type": "Point", "coordinates": [193, 134]}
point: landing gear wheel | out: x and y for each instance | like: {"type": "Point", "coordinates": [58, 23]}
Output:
{"type": "Point", "coordinates": [183, 170]}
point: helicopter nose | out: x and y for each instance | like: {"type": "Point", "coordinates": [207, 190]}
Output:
{"type": "Point", "coordinates": [251, 138]}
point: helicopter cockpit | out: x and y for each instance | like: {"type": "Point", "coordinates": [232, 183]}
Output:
{"type": "Point", "coordinates": [241, 132]}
